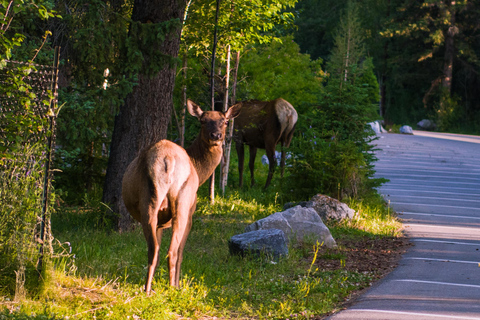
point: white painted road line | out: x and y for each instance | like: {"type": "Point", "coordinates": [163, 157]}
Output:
{"type": "Point", "coordinates": [416, 180]}
{"type": "Point", "coordinates": [429, 191]}
{"type": "Point", "coordinates": [443, 260]}
{"type": "Point", "coordinates": [440, 283]}
{"type": "Point", "coordinates": [434, 205]}
{"type": "Point", "coordinates": [436, 160]}
{"type": "Point", "coordinates": [448, 136]}
{"type": "Point", "coordinates": [433, 315]}
{"type": "Point", "coordinates": [388, 165]}
{"type": "Point", "coordinates": [441, 228]}
{"type": "Point", "coordinates": [438, 198]}
{"type": "Point", "coordinates": [448, 242]}
{"type": "Point", "coordinates": [407, 159]}
{"type": "Point", "coordinates": [438, 215]}
{"type": "Point", "coordinates": [428, 170]}
{"type": "Point", "coordinates": [428, 176]}
{"type": "Point", "coordinates": [392, 184]}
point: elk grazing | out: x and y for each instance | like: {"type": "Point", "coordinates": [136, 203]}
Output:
{"type": "Point", "coordinates": [263, 124]}
{"type": "Point", "coordinates": [160, 186]}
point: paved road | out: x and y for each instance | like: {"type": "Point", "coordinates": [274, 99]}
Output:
{"type": "Point", "coordinates": [435, 187]}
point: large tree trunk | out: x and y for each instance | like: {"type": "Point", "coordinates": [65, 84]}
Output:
{"type": "Point", "coordinates": [145, 115]}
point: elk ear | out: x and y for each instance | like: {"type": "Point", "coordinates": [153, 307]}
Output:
{"type": "Point", "coordinates": [194, 109]}
{"type": "Point", "coordinates": [233, 111]}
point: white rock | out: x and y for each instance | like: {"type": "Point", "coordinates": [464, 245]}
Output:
{"type": "Point", "coordinates": [377, 127]}
{"type": "Point", "coordinates": [406, 130]}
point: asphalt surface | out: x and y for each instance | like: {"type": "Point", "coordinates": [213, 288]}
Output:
{"type": "Point", "coordinates": [435, 187]}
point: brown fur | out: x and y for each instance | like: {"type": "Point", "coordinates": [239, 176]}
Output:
{"type": "Point", "coordinates": [160, 186]}
{"type": "Point", "coordinates": [264, 124]}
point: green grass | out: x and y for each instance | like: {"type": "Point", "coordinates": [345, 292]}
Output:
{"type": "Point", "coordinates": [101, 273]}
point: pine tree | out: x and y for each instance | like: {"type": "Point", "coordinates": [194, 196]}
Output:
{"type": "Point", "coordinates": [335, 149]}
{"type": "Point", "coordinates": [348, 44]}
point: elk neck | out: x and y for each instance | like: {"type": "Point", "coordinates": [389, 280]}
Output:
{"type": "Point", "coordinates": [205, 157]}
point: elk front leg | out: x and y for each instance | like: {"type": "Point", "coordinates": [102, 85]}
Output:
{"type": "Point", "coordinates": [251, 164]}
{"type": "Point", "coordinates": [182, 246]}
{"type": "Point", "coordinates": [241, 160]}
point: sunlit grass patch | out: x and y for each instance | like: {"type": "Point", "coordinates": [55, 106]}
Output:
{"type": "Point", "coordinates": [375, 217]}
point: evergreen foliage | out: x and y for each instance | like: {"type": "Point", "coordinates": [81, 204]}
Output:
{"type": "Point", "coordinates": [410, 43]}
{"type": "Point", "coordinates": [332, 150]}
{"type": "Point", "coordinates": [428, 39]}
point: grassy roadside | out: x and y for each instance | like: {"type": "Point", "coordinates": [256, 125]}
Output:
{"type": "Point", "coordinates": [101, 273]}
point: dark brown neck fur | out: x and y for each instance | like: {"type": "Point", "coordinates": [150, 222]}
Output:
{"type": "Point", "coordinates": [205, 157]}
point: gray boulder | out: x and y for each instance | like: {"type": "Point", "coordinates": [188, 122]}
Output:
{"type": "Point", "coordinates": [377, 127]}
{"type": "Point", "coordinates": [270, 242]}
{"type": "Point", "coordinates": [406, 130]}
{"type": "Point", "coordinates": [331, 209]}
{"type": "Point", "coordinates": [298, 223]}
{"type": "Point", "coordinates": [426, 124]}
{"type": "Point", "coordinates": [327, 208]}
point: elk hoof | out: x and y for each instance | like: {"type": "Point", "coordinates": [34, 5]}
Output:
{"type": "Point", "coordinates": [150, 292]}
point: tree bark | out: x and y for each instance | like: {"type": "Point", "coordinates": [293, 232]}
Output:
{"type": "Point", "coordinates": [449, 52]}
{"type": "Point", "coordinates": [445, 80]}
{"type": "Point", "coordinates": [184, 107]}
{"type": "Point", "coordinates": [212, 92]}
{"type": "Point", "coordinates": [224, 164]}
{"type": "Point", "coordinates": [384, 72]}
{"type": "Point", "coordinates": [146, 113]}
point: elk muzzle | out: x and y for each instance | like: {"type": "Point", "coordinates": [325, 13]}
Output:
{"type": "Point", "coordinates": [215, 136]}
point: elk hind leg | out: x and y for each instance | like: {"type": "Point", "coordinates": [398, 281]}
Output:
{"type": "Point", "coordinates": [282, 162]}
{"type": "Point", "coordinates": [181, 226]}
{"type": "Point", "coordinates": [149, 225]}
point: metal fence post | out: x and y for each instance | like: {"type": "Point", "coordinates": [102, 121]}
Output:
{"type": "Point", "coordinates": [52, 114]}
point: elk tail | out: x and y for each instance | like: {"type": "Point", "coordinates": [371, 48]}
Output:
{"type": "Point", "coordinates": [160, 176]}
{"type": "Point", "coordinates": [287, 117]}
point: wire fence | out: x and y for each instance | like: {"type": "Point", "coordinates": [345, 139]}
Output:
{"type": "Point", "coordinates": [28, 111]}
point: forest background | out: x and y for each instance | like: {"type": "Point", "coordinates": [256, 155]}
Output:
{"type": "Point", "coordinates": [340, 64]}
{"type": "Point", "coordinates": [423, 54]}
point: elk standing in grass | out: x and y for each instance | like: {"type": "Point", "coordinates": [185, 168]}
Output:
{"type": "Point", "coordinates": [264, 124]}
{"type": "Point", "coordinates": [160, 186]}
